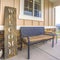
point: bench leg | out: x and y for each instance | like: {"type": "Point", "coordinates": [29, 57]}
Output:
{"type": "Point", "coordinates": [28, 51]}
{"type": "Point", "coordinates": [52, 42]}
{"type": "Point", "coordinates": [21, 45]}
{"type": "Point", "coordinates": [56, 39]}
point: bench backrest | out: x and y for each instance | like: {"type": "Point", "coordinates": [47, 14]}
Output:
{"type": "Point", "coordinates": [32, 31]}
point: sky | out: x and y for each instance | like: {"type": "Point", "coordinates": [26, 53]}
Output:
{"type": "Point", "coordinates": [57, 15]}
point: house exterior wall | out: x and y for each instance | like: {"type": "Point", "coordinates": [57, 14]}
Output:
{"type": "Point", "coordinates": [48, 14]}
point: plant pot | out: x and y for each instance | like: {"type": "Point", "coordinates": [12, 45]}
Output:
{"type": "Point", "coordinates": [1, 53]}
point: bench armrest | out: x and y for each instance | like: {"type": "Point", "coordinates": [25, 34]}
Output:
{"type": "Point", "coordinates": [49, 33]}
{"type": "Point", "coordinates": [28, 39]}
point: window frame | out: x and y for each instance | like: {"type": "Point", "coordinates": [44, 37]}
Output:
{"type": "Point", "coordinates": [28, 9]}
{"type": "Point", "coordinates": [28, 17]}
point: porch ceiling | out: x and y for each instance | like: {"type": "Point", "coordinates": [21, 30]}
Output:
{"type": "Point", "coordinates": [56, 2]}
{"type": "Point", "coordinates": [53, 0]}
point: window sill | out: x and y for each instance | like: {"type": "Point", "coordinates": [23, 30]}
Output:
{"type": "Point", "coordinates": [26, 17]}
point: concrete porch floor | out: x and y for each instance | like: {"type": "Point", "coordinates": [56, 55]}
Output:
{"type": "Point", "coordinates": [40, 52]}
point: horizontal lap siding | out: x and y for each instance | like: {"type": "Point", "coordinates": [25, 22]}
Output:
{"type": "Point", "coordinates": [50, 14]}
{"type": "Point", "coordinates": [3, 4]}
{"type": "Point", "coordinates": [21, 22]}
{"type": "Point", "coordinates": [15, 3]}
{"type": "Point", "coordinates": [28, 23]}
{"type": "Point", "coordinates": [46, 14]}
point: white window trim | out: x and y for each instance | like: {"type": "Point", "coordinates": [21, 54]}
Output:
{"type": "Point", "coordinates": [27, 17]}
{"type": "Point", "coordinates": [18, 27]}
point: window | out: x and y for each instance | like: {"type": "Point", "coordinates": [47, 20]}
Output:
{"type": "Point", "coordinates": [37, 8]}
{"type": "Point", "coordinates": [31, 9]}
{"type": "Point", "coordinates": [28, 7]}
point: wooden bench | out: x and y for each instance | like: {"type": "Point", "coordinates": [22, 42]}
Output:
{"type": "Point", "coordinates": [34, 35]}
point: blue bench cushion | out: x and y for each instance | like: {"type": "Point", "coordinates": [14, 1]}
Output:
{"type": "Point", "coordinates": [32, 31]}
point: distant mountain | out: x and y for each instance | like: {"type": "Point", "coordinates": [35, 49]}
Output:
{"type": "Point", "coordinates": [58, 25]}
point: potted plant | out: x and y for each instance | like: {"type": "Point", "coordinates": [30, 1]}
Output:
{"type": "Point", "coordinates": [1, 53]}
